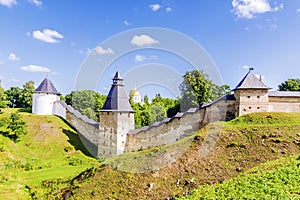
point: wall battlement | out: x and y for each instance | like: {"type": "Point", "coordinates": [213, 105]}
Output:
{"type": "Point", "coordinates": [100, 142]}
{"type": "Point", "coordinates": [115, 133]}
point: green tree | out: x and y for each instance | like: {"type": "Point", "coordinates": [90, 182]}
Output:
{"type": "Point", "coordinates": [197, 89]}
{"type": "Point", "coordinates": [14, 97]}
{"type": "Point", "coordinates": [26, 96]}
{"type": "Point", "coordinates": [292, 84]}
{"type": "Point", "coordinates": [146, 99]}
{"type": "Point", "coordinates": [218, 91]}
{"type": "Point", "coordinates": [17, 126]}
{"type": "Point", "coordinates": [68, 98]}
{"type": "Point", "coordinates": [13, 127]}
{"type": "Point", "coordinates": [2, 97]}
{"type": "Point", "coordinates": [157, 112]}
{"type": "Point", "coordinates": [87, 102]}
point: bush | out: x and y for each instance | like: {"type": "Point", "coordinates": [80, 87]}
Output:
{"type": "Point", "coordinates": [13, 127]}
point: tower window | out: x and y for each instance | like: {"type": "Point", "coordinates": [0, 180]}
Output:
{"type": "Point", "coordinates": [250, 108]}
{"type": "Point", "coordinates": [245, 109]}
{"type": "Point", "coordinates": [258, 97]}
{"type": "Point", "coordinates": [248, 97]}
{"type": "Point", "coordinates": [258, 108]}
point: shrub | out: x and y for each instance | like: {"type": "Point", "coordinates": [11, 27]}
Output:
{"type": "Point", "coordinates": [13, 127]}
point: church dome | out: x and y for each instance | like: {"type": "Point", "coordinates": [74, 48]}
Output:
{"type": "Point", "coordinates": [135, 92]}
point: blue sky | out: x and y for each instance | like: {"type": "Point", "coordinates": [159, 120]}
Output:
{"type": "Point", "coordinates": [57, 37]}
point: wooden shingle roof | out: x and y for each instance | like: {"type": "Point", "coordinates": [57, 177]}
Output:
{"type": "Point", "coordinates": [117, 99]}
{"type": "Point", "coordinates": [46, 86]}
{"type": "Point", "coordinates": [250, 81]}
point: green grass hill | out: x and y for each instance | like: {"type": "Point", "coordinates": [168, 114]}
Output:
{"type": "Point", "coordinates": [251, 150]}
{"type": "Point", "coordinates": [253, 156]}
{"type": "Point", "coordinates": [51, 150]}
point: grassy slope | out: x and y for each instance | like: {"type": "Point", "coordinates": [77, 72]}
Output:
{"type": "Point", "coordinates": [46, 152]}
{"type": "Point", "coordinates": [244, 143]}
{"type": "Point", "coordinates": [277, 179]}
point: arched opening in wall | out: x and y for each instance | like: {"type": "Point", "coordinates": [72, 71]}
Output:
{"type": "Point", "coordinates": [248, 97]}
{"type": "Point", "coordinates": [258, 97]}
{"type": "Point", "coordinates": [250, 108]}
{"type": "Point", "coordinates": [245, 109]}
{"type": "Point", "coordinates": [258, 108]}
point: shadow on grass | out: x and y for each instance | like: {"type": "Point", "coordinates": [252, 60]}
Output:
{"type": "Point", "coordinates": [27, 110]}
{"type": "Point", "coordinates": [75, 141]}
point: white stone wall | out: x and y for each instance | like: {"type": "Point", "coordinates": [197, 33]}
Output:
{"type": "Point", "coordinates": [250, 100]}
{"type": "Point", "coordinates": [284, 104]}
{"type": "Point", "coordinates": [59, 109]}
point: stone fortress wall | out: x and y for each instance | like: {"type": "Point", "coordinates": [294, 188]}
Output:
{"type": "Point", "coordinates": [101, 143]}
{"type": "Point", "coordinates": [115, 133]}
{"type": "Point", "coordinates": [88, 130]}
{"type": "Point", "coordinates": [181, 125]}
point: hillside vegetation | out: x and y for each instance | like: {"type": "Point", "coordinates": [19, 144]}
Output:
{"type": "Point", "coordinates": [254, 155]}
{"type": "Point", "coordinates": [244, 144]}
{"type": "Point", "coordinates": [51, 150]}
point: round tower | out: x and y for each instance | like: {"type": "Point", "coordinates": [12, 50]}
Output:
{"type": "Point", "coordinates": [44, 97]}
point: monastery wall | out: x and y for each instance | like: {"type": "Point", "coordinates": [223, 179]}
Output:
{"type": "Point", "coordinates": [182, 125]}
{"type": "Point", "coordinates": [87, 129]}
{"type": "Point", "coordinates": [284, 104]}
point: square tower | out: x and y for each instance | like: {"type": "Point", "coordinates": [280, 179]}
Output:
{"type": "Point", "coordinates": [251, 95]}
{"type": "Point", "coordinates": [116, 119]}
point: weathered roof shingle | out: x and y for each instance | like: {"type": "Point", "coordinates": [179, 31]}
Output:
{"type": "Point", "coordinates": [117, 99]}
{"type": "Point", "coordinates": [46, 86]}
{"type": "Point", "coordinates": [250, 81]}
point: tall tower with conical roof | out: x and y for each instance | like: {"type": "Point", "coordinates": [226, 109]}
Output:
{"type": "Point", "coordinates": [116, 119]}
{"type": "Point", "coordinates": [251, 95]}
{"type": "Point", "coordinates": [44, 97]}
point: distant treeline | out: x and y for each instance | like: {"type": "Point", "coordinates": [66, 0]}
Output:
{"type": "Point", "coordinates": [196, 89]}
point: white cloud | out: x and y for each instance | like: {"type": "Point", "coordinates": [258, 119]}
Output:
{"type": "Point", "coordinates": [14, 80]}
{"type": "Point", "coordinates": [143, 40]}
{"type": "Point", "coordinates": [168, 9]}
{"type": "Point", "coordinates": [250, 8]}
{"type": "Point", "coordinates": [127, 23]}
{"type": "Point", "coordinates": [35, 68]}
{"type": "Point", "coordinates": [298, 10]}
{"type": "Point", "coordinates": [139, 58]}
{"type": "Point", "coordinates": [155, 7]}
{"type": "Point", "coordinates": [36, 2]}
{"type": "Point", "coordinates": [13, 57]}
{"type": "Point", "coordinates": [246, 67]}
{"type": "Point", "coordinates": [28, 34]}
{"type": "Point", "coordinates": [1, 62]}
{"type": "Point", "coordinates": [47, 35]}
{"type": "Point", "coordinates": [103, 51]}
{"type": "Point", "coordinates": [8, 3]}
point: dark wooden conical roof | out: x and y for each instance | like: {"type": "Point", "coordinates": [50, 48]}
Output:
{"type": "Point", "coordinates": [46, 86]}
{"type": "Point", "coordinates": [117, 99]}
{"type": "Point", "coordinates": [250, 81]}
